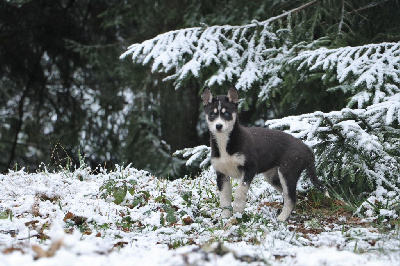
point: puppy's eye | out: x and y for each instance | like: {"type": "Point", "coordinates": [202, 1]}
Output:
{"type": "Point", "coordinates": [227, 114]}
{"type": "Point", "coordinates": [213, 114]}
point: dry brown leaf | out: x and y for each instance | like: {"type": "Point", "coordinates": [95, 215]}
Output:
{"type": "Point", "coordinates": [34, 222]}
{"type": "Point", "coordinates": [187, 220]}
{"type": "Point", "coordinates": [68, 216]}
{"type": "Point", "coordinates": [41, 253]}
{"type": "Point", "coordinates": [12, 249]}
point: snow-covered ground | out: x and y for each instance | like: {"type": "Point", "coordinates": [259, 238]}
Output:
{"type": "Point", "coordinates": [71, 218]}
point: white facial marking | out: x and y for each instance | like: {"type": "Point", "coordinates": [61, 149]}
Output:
{"type": "Point", "coordinates": [215, 110]}
{"type": "Point", "coordinates": [219, 105]}
{"type": "Point", "coordinates": [223, 110]}
{"type": "Point", "coordinates": [227, 125]}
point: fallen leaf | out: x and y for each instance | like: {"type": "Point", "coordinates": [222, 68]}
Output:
{"type": "Point", "coordinates": [187, 220]}
{"type": "Point", "coordinates": [12, 249]}
{"type": "Point", "coordinates": [40, 253]}
{"type": "Point", "coordinates": [31, 223]}
{"type": "Point", "coordinates": [68, 216]}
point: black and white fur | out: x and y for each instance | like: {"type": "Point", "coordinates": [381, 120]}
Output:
{"type": "Point", "coordinates": [241, 153]}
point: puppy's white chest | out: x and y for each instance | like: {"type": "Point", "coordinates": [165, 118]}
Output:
{"type": "Point", "coordinates": [226, 163]}
{"type": "Point", "coordinates": [229, 164]}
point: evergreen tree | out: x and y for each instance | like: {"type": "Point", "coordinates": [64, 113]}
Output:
{"type": "Point", "coordinates": [315, 57]}
{"type": "Point", "coordinates": [65, 93]}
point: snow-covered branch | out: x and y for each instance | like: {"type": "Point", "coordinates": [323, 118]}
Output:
{"type": "Point", "coordinates": [200, 154]}
{"type": "Point", "coordinates": [189, 52]}
{"type": "Point", "coordinates": [353, 140]}
{"type": "Point", "coordinates": [371, 73]}
{"type": "Point", "coordinates": [236, 52]}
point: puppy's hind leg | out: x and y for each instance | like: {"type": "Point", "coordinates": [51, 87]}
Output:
{"type": "Point", "coordinates": [289, 195]}
{"type": "Point", "coordinates": [225, 194]}
{"type": "Point", "coordinates": [272, 178]}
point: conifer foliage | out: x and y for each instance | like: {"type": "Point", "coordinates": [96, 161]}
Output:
{"type": "Point", "coordinates": [302, 52]}
{"type": "Point", "coordinates": [354, 146]}
{"type": "Point", "coordinates": [369, 73]}
{"type": "Point", "coordinates": [216, 54]}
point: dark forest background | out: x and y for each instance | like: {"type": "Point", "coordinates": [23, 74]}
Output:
{"type": "Point", "coordinates": [65, 92]}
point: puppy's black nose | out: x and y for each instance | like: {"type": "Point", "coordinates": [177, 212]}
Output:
{"type": "Point", "coordinates": [218, 126]}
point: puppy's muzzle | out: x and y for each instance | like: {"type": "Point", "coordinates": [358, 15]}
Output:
{"type": "Point", "coordinates": [218, 127]}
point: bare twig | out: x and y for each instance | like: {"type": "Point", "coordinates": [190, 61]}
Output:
{"type": "Point", "coordinates": [295, 10]}
{"type": "Point", "coordinates": [369, 6]}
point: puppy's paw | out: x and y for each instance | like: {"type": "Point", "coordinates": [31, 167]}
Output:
{"type": "Point", "coordinates": [282, 218]}
{"type": "Point", "coordinates": [238, 206]}
{"type": "Point", "coordinates": [226, 213]}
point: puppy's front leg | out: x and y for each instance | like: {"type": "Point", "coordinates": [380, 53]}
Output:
{"type": "Point", "coordinates": [240, 197]}
{"type": "Point", "coordinates": [225, 194]}
{"type": "Point", "coordinates": [241, 192]}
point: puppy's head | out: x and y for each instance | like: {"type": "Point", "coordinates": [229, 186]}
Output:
{"type": "Point", "coordinates": [221, 111]}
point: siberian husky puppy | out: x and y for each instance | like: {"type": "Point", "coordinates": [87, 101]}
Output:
{"type": "Point", "coordinates": [241, 153]}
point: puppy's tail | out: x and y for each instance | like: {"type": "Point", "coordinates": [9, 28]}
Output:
{"type": "Point", "coordinates": [312, 173]}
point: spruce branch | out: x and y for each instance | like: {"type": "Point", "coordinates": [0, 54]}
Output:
{"type": "Point", "coordinates": [369, 72]}
{"type": "Point", "coordinates": [290, 12]}
{"type": "Point", "coordinates": [334, 129]}
{"type": "Point", "coordinates": [371, 5]}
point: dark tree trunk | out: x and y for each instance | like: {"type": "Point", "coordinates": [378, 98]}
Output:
{"type": "Point", "coordinates": [180, 115]}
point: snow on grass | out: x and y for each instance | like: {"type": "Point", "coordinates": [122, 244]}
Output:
{"type": "Point", "coordinates": [70, 218]}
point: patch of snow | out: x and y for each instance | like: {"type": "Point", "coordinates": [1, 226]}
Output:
{"type": "Point", "coordinates": [146, 233]}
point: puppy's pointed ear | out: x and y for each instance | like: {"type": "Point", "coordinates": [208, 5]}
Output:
{"type": "Point", "coordinates": [207, 96]}
{"type": "Point", "coordinates": [233, 95]}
